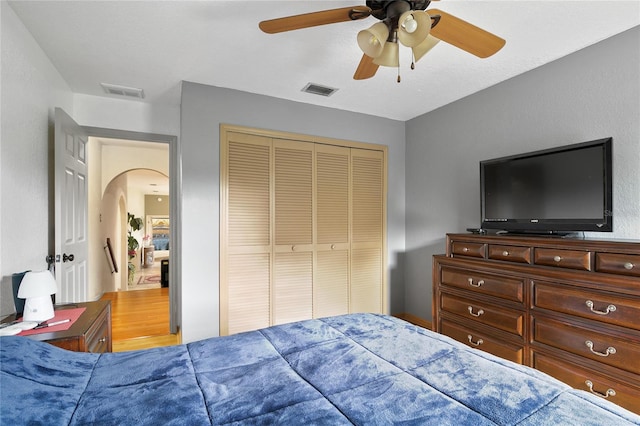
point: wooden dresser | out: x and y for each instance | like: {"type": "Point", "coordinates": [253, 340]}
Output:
{"type": "Point", "coordinates": [568, 307]}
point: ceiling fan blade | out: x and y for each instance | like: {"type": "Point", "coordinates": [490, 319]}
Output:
{"type": "Point", "coordinates": [314, 19]}
{"type": "Point", "coordinates": [464, 35]}
{"type": "Point", "coordinates": [366, 68]}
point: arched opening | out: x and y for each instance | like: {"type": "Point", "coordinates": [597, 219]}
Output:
{"type": "Point", "coordinates": [142, 194]}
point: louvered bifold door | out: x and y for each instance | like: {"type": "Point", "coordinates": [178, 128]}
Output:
{"type": "Point", "coordinates": [245, 234]}
{"type": "Point", "coordinates": [293, 231]}
{"type": "Point", "coordinates": [367, 230]}
{"type": "Point", "coordinates": [331, 274]}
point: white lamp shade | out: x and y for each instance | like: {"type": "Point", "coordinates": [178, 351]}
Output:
{"type": "Point", "coordinates": [413, 27]}
{"type": "Point", "coordinates": [423, 48]}
{"type": "Point", "coordinates": [373, 39]}
{"type": "Point", "coordinates": [390, 56]}
{"type": "Point", "coordinates": [37, 288]}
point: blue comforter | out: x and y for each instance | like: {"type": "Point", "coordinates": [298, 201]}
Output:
{"type": "Point", "coordinates": [352, 369]}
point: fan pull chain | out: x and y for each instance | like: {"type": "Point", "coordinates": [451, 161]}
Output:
{"type": "Point", "coordinates": [398, 74]}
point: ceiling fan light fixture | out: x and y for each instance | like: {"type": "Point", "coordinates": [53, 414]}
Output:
{"type": "Point", "coordinates": [410, 24]}
{"type": "Point", "coordinates": [413, 27]}
{"type": "Point", "coordinates": [390, 56]}
{"type": "Point", "coordinates": [372, 40]}
{"type": "Point", "coordinates": [423, 48]}
{"type": "Point", "coordinates": [403, 21]}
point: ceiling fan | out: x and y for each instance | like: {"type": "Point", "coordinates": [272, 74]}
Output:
{"type": "Point", "coordinates": [401, 21]}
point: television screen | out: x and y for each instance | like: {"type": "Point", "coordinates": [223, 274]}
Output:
{"type": "Point", "coordinates": [563, 189]}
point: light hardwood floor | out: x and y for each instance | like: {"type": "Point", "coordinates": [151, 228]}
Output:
{"type": "Point", "coordinates": [140, 319]}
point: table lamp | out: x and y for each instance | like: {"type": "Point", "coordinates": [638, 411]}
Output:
{"type": "Point", "coordinates": [37, 288]}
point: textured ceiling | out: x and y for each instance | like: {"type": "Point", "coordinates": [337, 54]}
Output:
{"type": "Point", "coordinates": [154, 45]}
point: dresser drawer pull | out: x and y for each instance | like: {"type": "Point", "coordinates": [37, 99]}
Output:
{"type": "Point", "coordinates": [466, 249]}
{"type": "Point", "coordinates": [607, 394]}
{"type": "Point", "coordinates": [628, 266]}
{"type": "Point", "coordinates": [478, 343]}
{"type": "Point", "coordinates": [103, 340]}
{"type": "Point", "coordinates": [610, 308]}
{"type": "Point", "coordinates": [610, 350]}
{"type": "Point", "coordinates": [480, 312]}
{"type": "Point", "coordinates": [505, 253]}
{"type": "Point", "coordinates": [471, 283]}
{"type": "Point", "coordinates": [557, 258]}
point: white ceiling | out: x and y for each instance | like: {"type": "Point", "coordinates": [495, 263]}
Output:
{"type": "Point", "coordinates": [148, 182]}
{"type": "Point", "coordinates": [154, 45]}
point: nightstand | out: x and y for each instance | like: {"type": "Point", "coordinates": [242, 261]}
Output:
{"type": "Point", "coordinates": [90, 333]}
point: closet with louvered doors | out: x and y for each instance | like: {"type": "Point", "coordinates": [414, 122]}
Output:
{"type": "Point", "coordinates": [292, 287]}
{"type": "Point", "coordinates": [245, 232]}
{"type": "Point", "coordinates": [302, 228]}
{"type": "Point", "coordinates": [332, 253]}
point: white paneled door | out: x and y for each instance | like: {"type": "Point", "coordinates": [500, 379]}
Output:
{"type": "Point", "coordinates": [71, 248]}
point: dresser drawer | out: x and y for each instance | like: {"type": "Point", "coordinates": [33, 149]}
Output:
{"type": "Point", "coordinates": [98, 338]}
{"type": "Point", "coordinates": [607, 348]}
{"type": "Point", "coordinates": [495, 285]}
{"type": "Point", "coordinates": [622, 264]}
{"type": "Point", "coordinates": [571, 259]}
{"type": "Point", "coordinates": [510, 253]}
{"type": "Point", "coordinates": [505, 319]}
{"type": "Point", "coordinates": [468, 249]}
{"type": "Point", "coordinates": [597, 306]}
{"type": "Point", "coordinates": [482, 341]}
{"type": "Point", "coordinates": [627, 396]}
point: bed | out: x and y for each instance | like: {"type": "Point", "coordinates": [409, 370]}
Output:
{"type": "Point", "coordinates": [159, 226]}
{"type": "Point", "coordinates": [351, 369]}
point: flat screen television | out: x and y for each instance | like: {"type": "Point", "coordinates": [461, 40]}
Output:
{"type": "Point", "coordinates": [554, 191]}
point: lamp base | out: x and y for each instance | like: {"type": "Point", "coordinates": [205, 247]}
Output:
{"type": "Point", "coordinates": [38, 309]}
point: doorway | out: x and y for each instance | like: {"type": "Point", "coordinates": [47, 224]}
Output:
{"type": "Point", "coordinates": [131, 151]}
{"type": "Point", "coordinates": [136, 217]}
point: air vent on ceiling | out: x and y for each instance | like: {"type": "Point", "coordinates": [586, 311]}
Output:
{"type": "Point", "coordinates": [317, 89]}
{"type": "Point", "coordinates": [129, 92]}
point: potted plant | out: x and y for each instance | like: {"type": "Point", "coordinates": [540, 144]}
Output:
{"type": "Point", "coordinates": [135, 224]}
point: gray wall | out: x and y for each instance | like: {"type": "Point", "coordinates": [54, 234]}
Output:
{"type": "Point", "coordinates": [204, 108]}
{"type": "Point", "coordinates": [31, 89]}
{"type": "Point", "coordinates": [590, 94]}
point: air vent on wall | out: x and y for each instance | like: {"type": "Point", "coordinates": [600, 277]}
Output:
{"type": "Point", "coordinates": [129, 92]}
{"type": "Point", "coordinates": [317, 89]}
